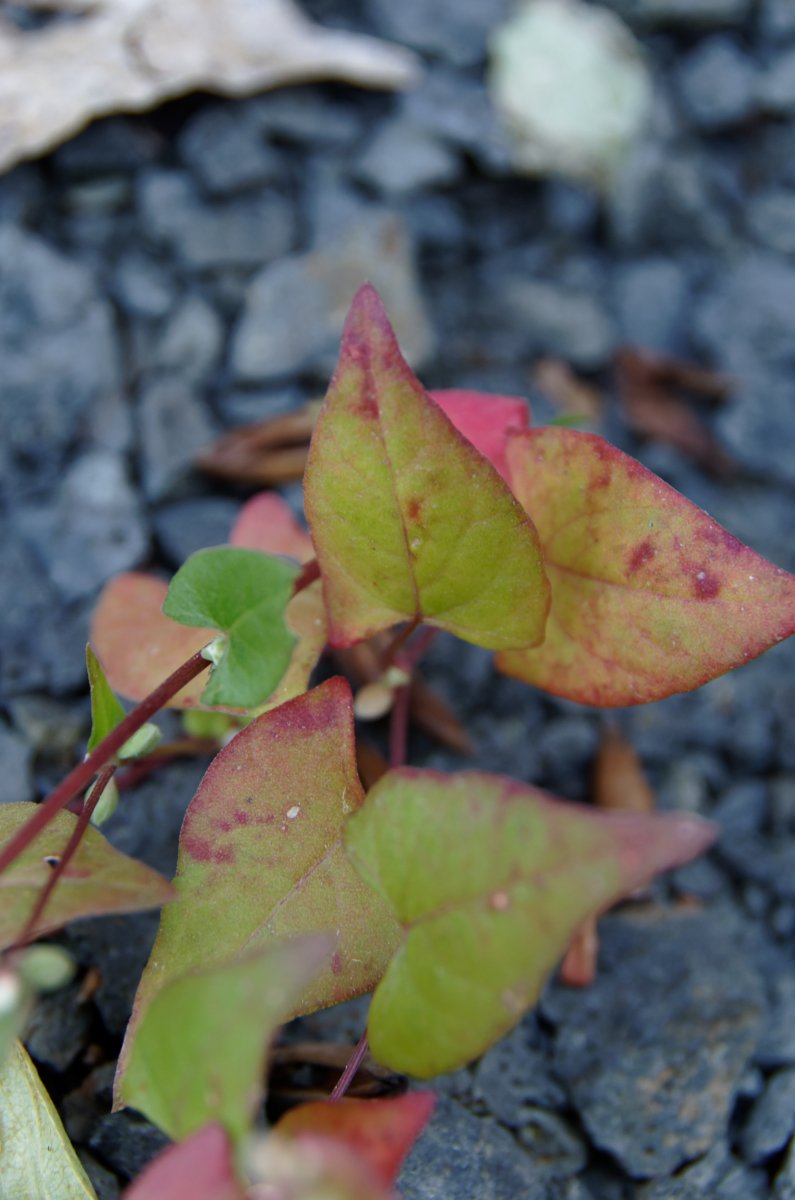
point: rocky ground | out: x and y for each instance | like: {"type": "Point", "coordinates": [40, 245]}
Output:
{"type": "Point", "coordinates": [159, 284]}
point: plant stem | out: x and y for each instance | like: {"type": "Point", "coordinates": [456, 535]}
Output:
{"type": "Point", "coordinates": [80, 777]}
{"type": "Point", "coordinates": [399, 726]}
{"type": "Point", "coordinates": [348, 1075]}
{"type": "Point", "coordinates": [67, 854]}
{"type": "Point", "coordinates": [398, 642]}
{"type": "Point", "coordinates": [309, 572]}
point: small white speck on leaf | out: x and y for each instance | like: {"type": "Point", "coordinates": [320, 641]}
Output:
{"type": "Point", "coordinates": [293, 812]}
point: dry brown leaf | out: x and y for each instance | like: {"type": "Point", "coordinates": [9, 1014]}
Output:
{"type": "Point", "coordinates": [572, 396]}
{"type": "Point", "coordinates": [264, 454]}
{"type": "Point", "coordinates": [620, 784]}
{"type": "Point", "coordinates": [128, 55]}
{"type": "Point", "coordinates": [653, 393]}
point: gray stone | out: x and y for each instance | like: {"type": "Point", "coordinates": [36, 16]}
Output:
{"type": "Point", "coordinates": [742, 808]}
{"type": "Point", "coordinates": [190, 525]}
{"type": "Point", "coordinates": [402, 159]}
{"type": "Point", "coordinates": [455, 30]}
{"type": "Point", "coordinates": [58, 1028]}
{"type": "Point", "coordinates": [777, 20]}
{"type": "Point", "coordinates": [685, 14]}
{"type": "Point", "coordinates": [513, 1078]}
{"type": "Point", "coordinates": [654, 1053]}
{"type": "Point", "coordinates": [107, 147]}
{"type": "Point", "coordinates": [21, 195]}
{"type": "Point", "coordinates": [664, 198]}
{"type": "Point", "coordinates": [754, 425]}
{"type": "Point", "coordinates": [771, 219]}
{"type": "Point", "coordinates": [191, 341]}
{"type": "Point", "coordinates": [570, 208]}
{"type": "Point", "coordinates": [174, 426]}
{"type": "Point", "coordinates": [126, 1142]}
{"type": "Point", "coordinates": [243, 232]}
{"type": "Point", "coordinates": [294, 309]}
{"type": "Point", "coordinates": [95, 198]}
{"type": "Point", "coordinates": [784, 1184]}
{"type": "Point", "coordinates": [776, 88]}
{"type": "Point", "coordinates": [16, 777]}
{"type": "Point", "coordinates": [248, 407]}
{"type": "Point", "coordinates": [458, 110]}
{"type": "Point", "coordinates": [717, 1176]}
{"type": "Point", "coordinates": [651, 297]}
{"type": "Point", "coordinates": [747, 320]}
{"type": "Point", "coordinates": [104, 1182]}
{"type": "Point", "coordinates": [96, 529]}
{"type": "Point", "coordinates": [51, 728]}
{"type": "Point", "coordinates": [771, 1121]}
{"type": "Point", "coordinates": [556, 1148]}
{"type": "Point", "coordinates": [225, 150]}
{"type": "Point", "coordinates": [716, 81]}
{"type": "Point", "coordinates": [308, 117]}
{"type": "Point", "coordinates": [143, 287]}
{"type": "Point", "coordinates": [560, 321]}
{"type": "Point", "coordinates": [460, 1155]}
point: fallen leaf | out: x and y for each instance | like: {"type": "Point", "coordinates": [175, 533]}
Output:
{"type": "Point", "coordinates": [128, 55]}
{"type": "Point", "coordinates": [379, 1132]}
{"type": "Point", "coordinates": [304, 1071]}
{"type": "Point", "coordinates": [572, 396]}
{"type": "Point", "coordinates": [266, 522]}
{"type": "Point", "coordinates": [485, 420]}
{"type": "Point", "coordinates": [309, 1169]}
{"type": "Point", "coordinates": [197, 1055]}
{"type": "Point", "coordinates": [489, 879]}
{"type": "Point", "coordinates": [651, 391]}
{"type": "Point", "coordinates": [409, 521]}
{"type": "Point", "coordinates": [650, 596]}
{"type": "Point", "coordinates": [37, 1161]}
{"type": "Point", "coordinates": [99, 879]}
{"type": "Point", "coordinates": [261, 857]}
{"type": "Point", "coordinates": [200, 1168]}
{"type": "Point", "coordinates": [264, 454]}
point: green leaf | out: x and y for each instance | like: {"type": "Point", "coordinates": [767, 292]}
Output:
{"type": "Point", "coordinates": [46, 968]}
{"type": "Point", "coordinates": [107, 803]}
{"type": "Point", "coordinates": [244, 594]}
{"type": "Point", "coordinates": [212, 725]}
{"type": "Point", "coordinates": [409, 521]}
{"type": "Point", "coordinates": [106, 709]}
{"type": "Point", "coordinates": [650, 596]}
{"type": "Point", "coordinates": [261, 856]}
{"type": "Point", "coordinates": [143, 742]}
{"type": "Point", "coordinates": [489, 879]}
{"type": "Point", "coordinates": [98, 879]}
{"type": "Point", "coordinates": [199, 1053]}
{"type": "Point", "coordinates": [37, 1161]}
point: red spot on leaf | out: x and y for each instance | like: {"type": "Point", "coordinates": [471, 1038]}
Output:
{"type": "Point", "coordinates": [336, 962]}
{"type": "Point", "coordinates": [414, 510]}
{"type": "Point", "coordinates": [241, 817]}
{"type": "Point", "coordinates": [643, 553]}
{"type": "Point", "coordinates": [705, 585]}
{"type": "Point", "coordinates": [202, 850]}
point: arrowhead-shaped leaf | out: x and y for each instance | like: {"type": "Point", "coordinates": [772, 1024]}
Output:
{"type": "Point", "coordinates": [485, 420]}
{"type": "Point", "coordinates": [266, 522]}
{"type": "Point", "coordinates": [201, 1168]}
{"type": "Point", "coordinates": [379, 1132]}
{"type": "Point", "coordinates": [409, 521]}
{"type": "Point", "coordinates": [97, 880]}
{"type": "Point", "coordinates": [261, 856]}
{"type": "Point", "coordinates": [489, 879]}
{"type": "Point", "coordinates": [243, 594]}
{"type": "Point", "coordinates": [649, 595]}
{"type": "Point", "coordinates": [37, 1161]}
{"type": "Point", "coordinates": [198, 1054]}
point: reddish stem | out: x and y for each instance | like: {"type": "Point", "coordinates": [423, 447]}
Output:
{"type": "Point", "coordinates": [80, 777]}
{"type": "Point", "coordinates": [398, 642]}
{"type": "Point", "coordinates": [399, 726]}
{"type": "Point", "coordinates": [309, 572]}
{"type": "Point", "coordinates": [67, 854]}
{"type": "Point", "coordinates": [349, 1074]}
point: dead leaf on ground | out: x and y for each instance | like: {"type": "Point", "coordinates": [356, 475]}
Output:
{"type": "Point", "coordinates": [305, 1071]}
{"type": "Point", "coordinates": [264, 454]}
{"type": "Point", "coordinates": [128, 55]}
{"type": "Point", "coordinates": [656, 394]}
{"type": "Point", "coordinates": [572, 396]}
{"type": "Point", "coordinates": [620, 785]}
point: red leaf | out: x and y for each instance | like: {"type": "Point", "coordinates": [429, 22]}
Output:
{"type": "Point", "coordinates": [485, 420]}
{"type": "Point", "coordinates": [200, 1168]}
{"type": "Point", "coordinates": [650, 596]}
{"type": "Point", "coordinates": [379, 1132]}
{"type": "Point", "coordinates": [267, 523]}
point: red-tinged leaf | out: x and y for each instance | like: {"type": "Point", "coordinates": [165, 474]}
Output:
{"type": "Point", "coordinates": [489, 879]}
{"type": "Point", "coordinates": [485, 420]}
{"type": "Point", "coordinates": [97, 880]}
{"type": "Point", "coordinates": [409, 521]}
{"type": "Point", "coordinates": [314, 1168]}
{"type": "Point", "coordinates": [650, 596]}
{"type": "Point", "coordinates": [139, 646]}
{"type": "Point", "coordinates": [267, 523]}
{"type": "Point", "coordinates": [200, 1168]}
{"type": "Point", "coordinates": [261, 856]}
{"type": "Point", "coordinates": [198, 1052]}
{"type": "Point", "coordinates": [379, 1132]}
